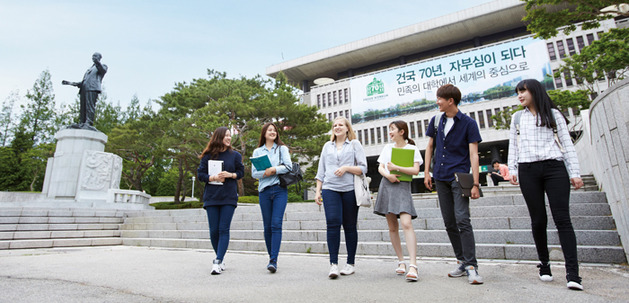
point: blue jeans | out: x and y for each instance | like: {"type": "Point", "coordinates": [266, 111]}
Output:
{"type": "Point", "coordinates": [273, 201]}
{"type": "Point", "coordinates": [220, 219]}
{"type": "Point", "coordinates": [340, 209]}
{"type": "Point", "coordinates": [550, 177]}
{"type": "Point", "coordinates": [455, 210]}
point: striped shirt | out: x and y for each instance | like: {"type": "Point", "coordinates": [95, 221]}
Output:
{"type": "Point", "coordinates": [537, 143]}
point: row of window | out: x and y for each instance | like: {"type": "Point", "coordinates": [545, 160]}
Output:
{"type": "Point", "coordinates": [567, 79]}
{"type": "Point", "coordinates": [570, 45]}
{"type": "Point", "coordinates": [336, 97]}
{"type": "Point", "coordinates": [417, 129]}
{"type": "Point", "coordinates": [334, 115]}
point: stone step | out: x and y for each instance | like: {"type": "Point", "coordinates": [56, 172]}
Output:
{"type": "Point", "coordinates": [579, 223]}
{"type": "Point", "coordinates": [57, 227]}
{"type": "Point", "coordinates": [587, 254]}
{"type": "Point", "coordinates": [52, 243]}
{"type": "Point", "coordinates": [60, 220]}
{"type": "Point", "coordinates": [584, 237]}
{"type": "Point", "coordinates": [39, 212]}
{"type": "Point", "coordinates": [46, 234]}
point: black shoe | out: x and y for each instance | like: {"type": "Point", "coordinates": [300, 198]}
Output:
{"type": "Point", "coordinates": [272, 267]}
{"type": "Point", "coordinates": [544, 272]}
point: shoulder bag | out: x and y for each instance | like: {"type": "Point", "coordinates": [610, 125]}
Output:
{"type": "Point", "coordinates": [466, 182]}
{"type": "Point", "coordinates": [293, 176]}
{"type": "Point", "coordinates": [361, 186]}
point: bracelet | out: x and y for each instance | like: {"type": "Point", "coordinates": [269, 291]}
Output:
{"type": "Point", "coordinates": [477, 185]}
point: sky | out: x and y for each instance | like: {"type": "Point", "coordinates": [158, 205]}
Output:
{"type": "Point", "coordinates": [149, 46]}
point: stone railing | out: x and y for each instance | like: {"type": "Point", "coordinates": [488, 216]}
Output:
{"type": "Point", "coordinates": [609, 135]}
{"type": "Point", "coordinates": [123, 196]}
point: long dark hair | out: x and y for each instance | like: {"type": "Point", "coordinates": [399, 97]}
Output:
{"type": "Point", "coordinates": [543, 103]}
{"type": "Point", "coordinates": [266, 126]}
{"type": "Point", "coordinates": [216, 145]}
{"type": "Point", "coordinates": [401, 125]}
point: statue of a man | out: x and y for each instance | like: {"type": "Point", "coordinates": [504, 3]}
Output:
{"type": "Point", "coordinates": [89, 89]}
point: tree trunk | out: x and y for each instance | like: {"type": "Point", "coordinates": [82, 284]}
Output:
{"type": "Point", "coordinates": [179, 180]}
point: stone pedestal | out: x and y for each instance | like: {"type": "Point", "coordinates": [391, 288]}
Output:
{"type": "Point", "coordinates": [62, 171]}
{"type": "Point", "coordinates": [83, 175]}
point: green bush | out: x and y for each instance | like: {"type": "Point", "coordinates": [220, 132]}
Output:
{"type": "Point", "coordinates": [173, 205]}
{"type": "Point", "coordinates": [248, 199]}
{"type": "Point", "coordinates": [294, 197]}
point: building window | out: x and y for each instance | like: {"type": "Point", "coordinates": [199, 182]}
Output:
{"type": "Point", "coordinates": [570, 44]}
{"type": "Point", "coordinates": [334, 96]}
{"type": "Point", "coordinates": [590, 38]}
{"type": "Point", "coordinates": [514, 107]}
{"type": "Point", "coordinates": [319, 101]}
{"type": "Point", "coordinates": [481, 119]}
{"type": "Point", "coordinates": [558, 83]}
{"type": "Point", "coordinates": [347, 114]}
{"type": "Point", "coordinates": [599, 35]}
{"type": "Point", "coordinates": [329, 99]}
{"type": "Point", "coordinates": [346, 95]}
{"type": "Point", "coordinates": [561, 50]}
{"type": "Point", "coordinates": [472, 115]}
{"type": "Point", "coordinates": [335, 115]}
{"type": "Point", "coordinates": [580, 43]}
{"type": "Point", "coordinates": [411, 126]}
{"type": "Point", "coordinates": [420, 131]}
{"type": "Point", "coordinates": [360, 136]}
{"type": "Point", "coordinates": [566, 75]}
{"type": "Point", "coordinates": [372, 136]}
{"type": "Point", "coordinates": [330, 116]}
{"type": "Point", "coordinates": [340, 96]}
{"type": "Point", "coordinates": [379, 135]}
{"type": "Point", "coordinates": [323, 99]}
{"type": "Point", "coordinates": [490, 121]}
{"type": "Point", "coordinates": [551, 51]}
{"type": "Point", "coordinates": [426, 124]}
{"type": "Point", "coordinates": [385, 134]}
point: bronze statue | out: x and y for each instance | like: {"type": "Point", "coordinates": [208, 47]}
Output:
{"type": "Point", "coordinates": [89, 89]}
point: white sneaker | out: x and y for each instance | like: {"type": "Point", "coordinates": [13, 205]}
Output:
{"type": "Point", "coordinates": [472, 275]}
{"type": "Point", "coordinates": [348, 270]}
{"type": "Point", "coordinates": [216, 268]}
{"type": "Point", "coordinates": [575, 285]}
{"type": "Point", "coordinates": [222, 266]}
{"type": "Point", "coordinates": [334, 271]}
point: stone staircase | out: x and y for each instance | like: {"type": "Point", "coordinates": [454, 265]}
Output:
{"type": "Point", "coordinates": [47, 228]}
{"type": "Point", "coordinates": [500, 220]}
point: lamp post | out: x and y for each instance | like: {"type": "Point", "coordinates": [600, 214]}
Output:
{"type": "Point", "coordinates": [192, 187]}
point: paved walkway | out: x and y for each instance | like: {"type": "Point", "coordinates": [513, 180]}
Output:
{"type": "Point", "coordinates": [139, 274]}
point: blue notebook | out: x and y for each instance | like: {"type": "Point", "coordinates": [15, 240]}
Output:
{"type": "Point", "coordinates": [261, 162]}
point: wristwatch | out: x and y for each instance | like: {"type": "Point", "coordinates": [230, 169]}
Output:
{"type": "Point", "coordinates": [477, 185]}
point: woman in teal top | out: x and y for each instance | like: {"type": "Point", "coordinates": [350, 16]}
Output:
{"type": "Point", "coordinates": [273, 198]}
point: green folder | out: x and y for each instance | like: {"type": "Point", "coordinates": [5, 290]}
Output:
{"type": "Point", "coordinates": [402, 157]}
{"type": "Point", "coordinates": [261, 162]}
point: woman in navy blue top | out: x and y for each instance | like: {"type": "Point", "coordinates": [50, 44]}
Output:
{"type": "Point", "coordinates": [220, 200]}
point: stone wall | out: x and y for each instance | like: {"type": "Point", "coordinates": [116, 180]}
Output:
{"type": "Point", "coordinates": [609, 124]}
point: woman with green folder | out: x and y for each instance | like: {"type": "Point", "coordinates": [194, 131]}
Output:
{"type": "Point", "coordinates": [399, 161]}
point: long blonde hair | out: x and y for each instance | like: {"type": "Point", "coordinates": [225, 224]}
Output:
{"type": "Point", "coordinates": [350, 131]}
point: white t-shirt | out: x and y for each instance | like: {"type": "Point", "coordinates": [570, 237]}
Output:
{"type": "Point", "coordinates": [385, 154]}
{"type": "Point", "coordinates": [448, 126]}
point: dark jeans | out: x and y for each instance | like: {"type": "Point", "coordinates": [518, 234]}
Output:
{"type": "Point", "coordinates": [340, 209]}
{"type": "Point", "coordinates": [497, 178]}
{"type": "Point", "coordinates": [220, 219]}
{"type": "Point", "coordinates": [455, 210]}
{"type": "Point", "coordinates": [273, 201]}
{"type": "Point", "coordinates": [550, 177]}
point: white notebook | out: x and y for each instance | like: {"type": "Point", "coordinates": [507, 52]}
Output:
{"type": "Point", "coordinates": [214, 168]}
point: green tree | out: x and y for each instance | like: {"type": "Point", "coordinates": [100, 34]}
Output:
{"type": "Point", "coordinates": [607, 56]}
{"type": "Point", "coordinates": [33, 165]}
{"type": "Point", "coordinates": [39, 114]}
{"type": "Point", "coordinates": [7, 118]}
{"type": "Point", "coordinates": [544, 17]}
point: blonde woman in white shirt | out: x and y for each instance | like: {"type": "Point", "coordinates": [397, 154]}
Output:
{"type": "Point", "coordinates": [543, 161]}
{"type": "Point", "coordinates": [394, 198]}
{"type": "Point", "coordinates": [341, 158]}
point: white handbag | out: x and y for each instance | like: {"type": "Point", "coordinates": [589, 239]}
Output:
{"type": "Point", "coordinates": [361, 187]}
{"type": "Point", "coordinates": [361, 190]}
